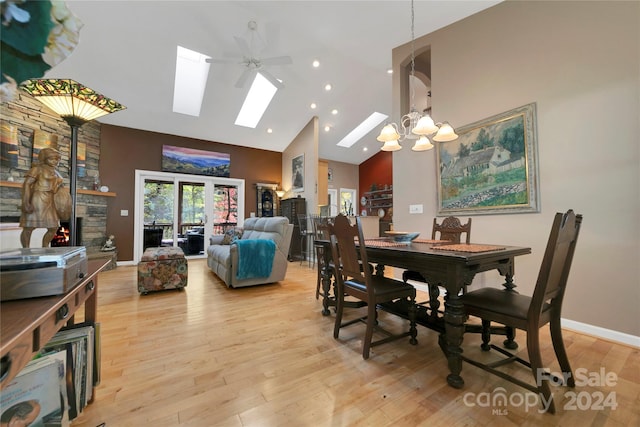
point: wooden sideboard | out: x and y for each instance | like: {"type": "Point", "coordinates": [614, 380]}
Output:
{"type": "Point", "coordinates": [28, 324]}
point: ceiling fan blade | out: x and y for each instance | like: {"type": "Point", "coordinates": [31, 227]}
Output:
{"type": "Point", "coordinates": [246, 74]}
{"type": "Point", "coordinates": [267, 75]}
{"type": "Point", "coordinates": [277, 60]}
{"type": "Point", "coordinates": [244, 47]}
{"type": "Point", "coordinates": [223, 61]}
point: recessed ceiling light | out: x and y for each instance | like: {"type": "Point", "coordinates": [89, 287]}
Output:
{"type": "Point", "coordinates": [365, 149]}
{"type": "Point", "coordinates": [313, 105]}
{"type": "Point", "coordinates": [362, 129]}
{"type": "Point", "coordinates": [327, 87]}
{"type": "Point", "coordinates": [316, 63]}
{"type": "Point", "coordinates": [327, 128]}
{"type": "Point", "coordinates": [390, 71]}
{"type": "Point", "coordinates": [334, 111]}
{"type": "Point", "coordinates": [269, 130]}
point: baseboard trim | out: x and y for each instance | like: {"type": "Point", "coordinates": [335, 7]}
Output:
{"type": "Point", "coordinates": [596, 331]}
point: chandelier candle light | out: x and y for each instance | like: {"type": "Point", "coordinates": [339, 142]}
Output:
{"type": "Point", "coordinates": [413, 125]}
{"type": "Point", "coordinates": [76, 104]}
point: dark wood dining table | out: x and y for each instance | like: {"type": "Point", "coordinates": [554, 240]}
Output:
{"type": "Point", "coordinates": [452, 269]}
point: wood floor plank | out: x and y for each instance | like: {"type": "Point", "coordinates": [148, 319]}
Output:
{"type": "Point", "coordinates": [265, 356]}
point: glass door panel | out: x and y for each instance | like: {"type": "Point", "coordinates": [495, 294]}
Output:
{"type": "Point", "coordinates": [225, 207]}
{"type": "Point", "coordinates": [158, 213]}
{"type": "Point", "coordinates": [348, 201]}
{"type": "Point", "coordinates": [191, 208]}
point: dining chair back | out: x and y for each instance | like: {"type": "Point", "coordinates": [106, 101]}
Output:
{"type": "Point", "coordinates": [530, 314]}
{"type": "Point", "coordinates": [451, 229]}
{"type": "Point", "coordinates": [355, 278]}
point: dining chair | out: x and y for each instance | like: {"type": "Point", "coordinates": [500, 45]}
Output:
{"type": "Point", "coordinates": [355, 279]}
{"type": "Point", "coordinates": [531, 313]}
{"type": "Point", "coordinates": [320, 225]}
{"type": "Point", "coordinates": [450, 229]}
{"type": "Point", "coordinates": [305, 235]}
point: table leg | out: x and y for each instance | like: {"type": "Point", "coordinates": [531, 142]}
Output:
{"type": "Point", "coordinates": [454, 317]}
{"type": "Point", "coordinates": [507, 271]}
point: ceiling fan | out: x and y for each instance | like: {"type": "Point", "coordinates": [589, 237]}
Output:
{"type": "Point", "coordinates": [251, 61]}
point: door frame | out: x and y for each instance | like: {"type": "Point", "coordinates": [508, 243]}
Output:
{"type": "Point", "coordinates": [209, 185]}
{"type": "Point", "coordinates": [335, 203]}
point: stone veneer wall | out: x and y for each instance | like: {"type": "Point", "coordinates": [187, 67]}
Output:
{"type": "Point", "coordinates": [29, 115]}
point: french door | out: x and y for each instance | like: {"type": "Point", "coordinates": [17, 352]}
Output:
{"type": "Point", "coordinates": [183, 210]}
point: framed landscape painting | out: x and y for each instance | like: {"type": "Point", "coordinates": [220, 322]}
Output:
{"type": "Point", "coordinates": [297, 173]}
{"type": "Point", "coordinates": [9, 145]}
{"type": "Point", "coordinates": [82, 159]}
{"type": "Point", "coordinates": [195, 162]}
{"type": "Point", "coordinates": [42, 140]}
{"type": "Point", "coordinates": [492, 167]}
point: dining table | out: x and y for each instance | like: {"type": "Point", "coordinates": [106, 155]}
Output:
{"type": "Point", "coordinates": [451, 266]}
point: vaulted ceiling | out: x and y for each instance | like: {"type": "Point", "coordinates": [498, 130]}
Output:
{"type": "Point", "coordinates": [127, 51]}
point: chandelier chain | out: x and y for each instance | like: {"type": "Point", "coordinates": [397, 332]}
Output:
{"type": "Point", "coordinates": [413, 59]}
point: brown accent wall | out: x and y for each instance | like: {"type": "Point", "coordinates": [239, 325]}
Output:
{"type": "Point", "coordinates": [123, 150]}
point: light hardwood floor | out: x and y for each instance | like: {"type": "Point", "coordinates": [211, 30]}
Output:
{"type": "Point", "coordinates": [265, 356]}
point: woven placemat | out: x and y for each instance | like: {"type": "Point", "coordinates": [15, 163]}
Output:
{"type": "Point", "coordinates": [379, 243]}
{"type": "Point", "coordinates": [432, 242]}
{"type": "Point", "coordinates": [469, 248]}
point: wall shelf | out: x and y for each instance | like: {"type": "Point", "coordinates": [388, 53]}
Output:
{"type": "Point", "coordinates": [79, 190]}
{"type": "Point", "coordinates": [379, 199]}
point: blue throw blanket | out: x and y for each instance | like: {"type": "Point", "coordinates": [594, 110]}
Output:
{"type": "Point", "coordinates": [255, 258]}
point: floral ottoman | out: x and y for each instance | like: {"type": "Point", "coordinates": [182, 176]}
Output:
{"type": "Point", "coordinates": [162, 268]}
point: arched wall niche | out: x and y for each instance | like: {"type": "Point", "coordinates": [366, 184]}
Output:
{"type": "Point", "coordinates": [422, 85]}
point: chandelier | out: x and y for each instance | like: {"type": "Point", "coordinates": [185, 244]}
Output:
{"type": "Point", "coordinates": [413, 125]}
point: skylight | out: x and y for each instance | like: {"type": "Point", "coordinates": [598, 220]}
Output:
{"type": "Point", "coordinates": [362, 129]}
{"type": "Point", "coordinates": [256, 102]}
{"type": "Point", "coordinates": [192, 71]}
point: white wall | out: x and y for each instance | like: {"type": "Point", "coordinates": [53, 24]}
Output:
{"type": "Point", "coordinates": [306, 142]}
{"type": "Point", "coordinates": [579, 61]}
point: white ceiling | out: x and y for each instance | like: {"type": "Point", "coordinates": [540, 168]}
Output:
{"type": "Point", "coordinates": [127, 52]}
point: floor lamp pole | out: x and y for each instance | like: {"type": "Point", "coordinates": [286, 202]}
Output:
{"type": "Point", "coordinates": [73, 169]}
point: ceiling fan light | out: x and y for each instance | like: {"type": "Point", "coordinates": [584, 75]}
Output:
{"type": "Point", "coordinates": [425, 126]}
{"type": "Point", "coordinates": [445, 134]}
{"type": "Point", "coordinates": [388, 133]}
{"type": "Point", "coordinates": [422, 144]}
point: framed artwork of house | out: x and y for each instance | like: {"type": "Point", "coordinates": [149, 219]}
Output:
{"type": "Point", "coordinates": [492, 167]}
